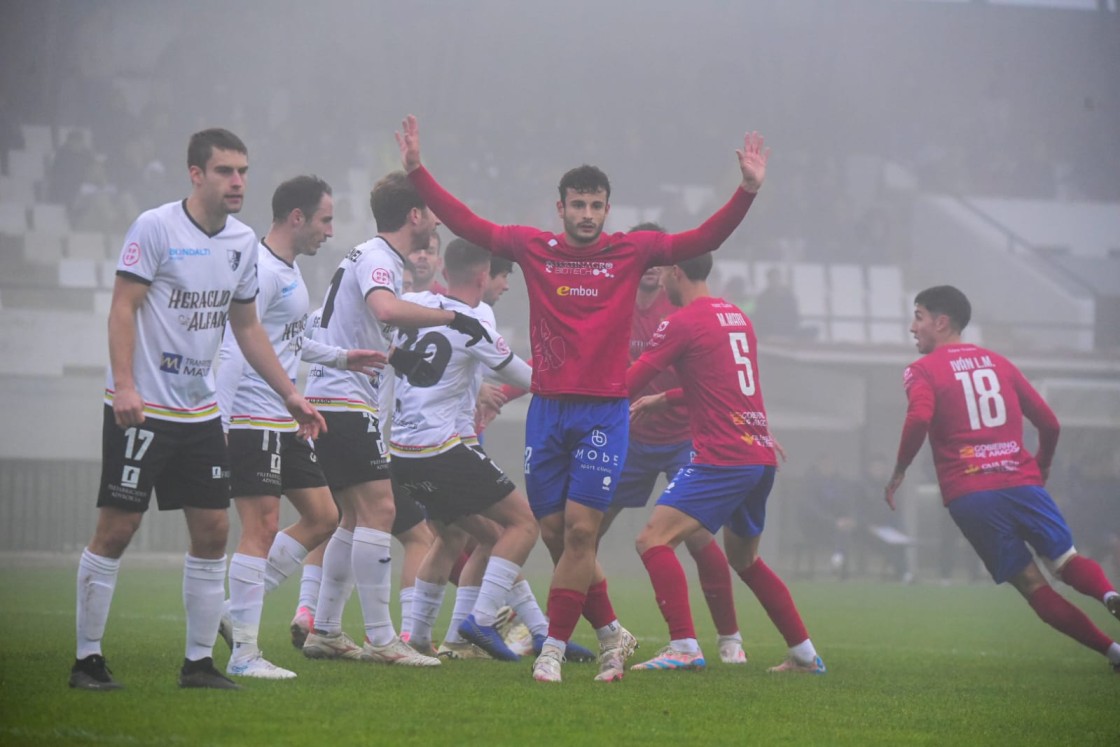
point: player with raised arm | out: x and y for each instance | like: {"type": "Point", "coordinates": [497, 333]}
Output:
{"type": "Point", "coordinates": [266, 457]}
{"type": "Point", "coordinates": [711, 344]}
{"type": "Point", "coordinates": [661, 443]}
{"type": "Point", "coordinates": [185, 268]}
{"type": "Point", "coordinates": [581, 287]}
{"type": "Point", "coordinates": [971, 402]}
{"type": "Point", "coordinates": [361, 309]}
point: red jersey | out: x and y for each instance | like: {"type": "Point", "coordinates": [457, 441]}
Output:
{"type": "Point", "coordinates": [668, 426]}
{"type": "Point", "coordinates": [581, 299]}
{"type": "Point", "coordinates": [971, 402]}
{"type": "Point", "coordinates": [712, 345]}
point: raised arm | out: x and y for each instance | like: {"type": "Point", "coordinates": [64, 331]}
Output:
{"type": "Point", "coordinates": [454, 214]}
{"type": "Point", "coordinates": [713, 232]}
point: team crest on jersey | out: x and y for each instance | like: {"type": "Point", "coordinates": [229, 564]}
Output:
{"type": "Point", "coordinates": [131, 254]}
{"type": "Point", "coordinates": [381, 276]}
{"type": "Point", "coordinates": [234, 257]}
{"type": "Point", "coordinates": [170, 362]}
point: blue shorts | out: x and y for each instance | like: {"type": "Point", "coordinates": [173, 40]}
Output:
{"type": "Point", "coordinates": [644, 462]}
{"type": "Point", "coordinates": [574, 450]}
{"type": "Point", "coordinates": [1001, 523]}
{"type": "Point", "coordinates": [715, 496]}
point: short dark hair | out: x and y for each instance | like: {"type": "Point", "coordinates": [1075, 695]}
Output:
{"type": "Point", "coordinates": [947, 300]}
{"type": "Point", "coordinates": [697, 268]}
{"type": "Point", "coordinates": [648, 226]}
{"type": "Point", "coordinates": [584, 179]}
{"type": "Point", "coordinates": [461, 256]}
{"type": "Point", "coordinates": [203, 143]}
{"type": "Point", "coordinates": [498, 265]}
{"type": "Point", "coordinates": [391, 200]}
{"type": "Point", "coordinates": [303, 193]}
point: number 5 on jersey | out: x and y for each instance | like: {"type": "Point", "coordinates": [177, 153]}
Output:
{"type": "Point", "coordinates": [740, 350]}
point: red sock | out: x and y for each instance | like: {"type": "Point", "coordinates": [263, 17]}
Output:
{"type": "Point", "coordinates": [457, 569]}
{"type": "Point", "coordinates": [671, 590]}
{"type": "Point", "coordinates": [564, 608]}
{"type": "Point", "coordinates": [597, 609]}
{"type": "Point", "coordinates": [715, 580]}
{"type": "Point", "coordinates": [1057, 612]}
{"type": "Point", "coordinates": [1087, 576]}
{"type": "Point", "coordinates": [775, 599]}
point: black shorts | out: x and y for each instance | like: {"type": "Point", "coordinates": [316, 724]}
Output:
{"type": "Point", "coordinates": [456, 483]}
{"type": "Point", "coordinates": [264, 462]}
{"type": "Point", "coordinates": [352, 451]}
{"type": "Point", "coordinates": [409, 512]}
{"type": "Point", "coordinates": [186, 463]}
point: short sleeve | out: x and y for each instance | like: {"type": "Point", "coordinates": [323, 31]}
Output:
{"type": "Point", "coordinates": [145, 247]}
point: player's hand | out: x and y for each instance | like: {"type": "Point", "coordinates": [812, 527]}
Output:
{"type": "Point", "coordinates": [311, 423]}
{"type": "Point", "coordinates": [647, 405]}
{"type": "Point", "coordinates": [128, 407]}
{"type": "Point", "coordinates": [408, 139]}
{"type": "Point", "coordinates": [470, 327]}
{"type": "Point", "coordinates": [414, 366]}
{"type": "Point", "coordinates": [490, 402]}
{"type": "Point", "coordinates": [892, 487]}
{"type": "Point", "coordinates": [368, 362]}
{"type": "Point", "coordinates": [752, 161]}
{"type": "Point", "coordinates": [781, 452]}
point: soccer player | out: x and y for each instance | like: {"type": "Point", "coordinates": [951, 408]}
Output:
{"type": "Point", "coordinates": [581, 287]}
{"type": "Point", "coordinates": [712, 345]}
{"type": "Point", "coordinates": [266, 458]}
{"type": "Point", "coordinates": [426, 265]}
{"type": "Point", "coordinates": [661, 443]}
{"type": "Point", "coordinates": [361, 309]}
{"type": "Point", "coordinates": [185, 268]}
{"type": "Point", "coordinates": [971, 402]}
{"type": "Point", "coordinates": [437, 373]}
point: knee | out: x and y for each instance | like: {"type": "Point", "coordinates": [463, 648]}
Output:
{"type": "Point", "coordinates": [323, 520]}
{"type": "Point", "coordinates": [644, 543]}
{"type": "Point", "coordinates": [580, 538]}
{"type": "Point", "coordinates": [112, 536]}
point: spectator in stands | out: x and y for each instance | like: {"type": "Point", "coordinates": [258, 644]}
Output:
{"type": "Point", "coordinates": [775, 310]}
{"type": "Point", "coordinates": [99, 206]}
{"type": "Point", "coordinates": [828, 511]}
{"type": "Point", "coordinates": [68, 168]}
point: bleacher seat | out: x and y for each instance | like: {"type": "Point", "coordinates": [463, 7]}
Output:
{"type": "Point", "coordinates": [77, 273]}
{"type": "Point", "coordinates": [107, 273]}
{"type": "Point", "coordinates": [808, 284]}
{"type": "Point", "coordinates": [26, 166]}
{"type": "Point", "coordinates": [13, 218]}
{"type": "Point", "coordinates": [42, 248]}
{"type": "Point", "coordinates": [846, 303]}
{"type": "Point", "coordinates": [49, 218]}
{"type": "Point", "coordinates": [16, 191]}
{"type": "Point", "coordinates": [37, 139]}
{"type": "Point", "coordinates": [85, 245]}
{"type": "Point", "coordinates": [886, 305]}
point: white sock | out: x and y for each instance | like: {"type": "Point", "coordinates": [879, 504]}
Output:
{"type": "Point", "coordinates": [309, 587]}
{"type": "Point", "coordinates": [373, 573]}
{"type": "Point", "coordinates": [737, 637]}
{"type": "Point", "coordinates": [97, 578]}
{"type": "Point", "coordinates": [204, 595]}
{"type": "Point", "coordinates": [284, 558]}
{"type": "Point", "coordinates": [1113, 654]}
{"type": "Point", "coordinates": [685, 645]}
{"type": "Point", "coordinates": [609, 632]}
{"type": "Point", "coordinates": [804, 652]}
{"type": "Point", "coordinates": [496, 584]}
{"type": "Point", "coordinates": [465, 597]}
{"type": "Point", "coordinates": [1108, 595]}
{"type": "Point", "coordinates": [426, 601]}
{"type": "Point", "coordinates": [337, 581]}
{"type": "Point", "coordinates": [246, 600]}
{"type": "Point", "coordinates": [406, 596]}
{"type": "Point", "coordinates": [525, 605]}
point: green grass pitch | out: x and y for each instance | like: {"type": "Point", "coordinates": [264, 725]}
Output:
{"type": "Point", "coordinates": [907, 665]}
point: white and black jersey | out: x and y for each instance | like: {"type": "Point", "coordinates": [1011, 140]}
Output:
{"type": "Point", "coordinates": [428, 411]}
{"type": "Point", "coordinates": [348, 323]}
{"type": "Point", "coordinates": [192, 277]}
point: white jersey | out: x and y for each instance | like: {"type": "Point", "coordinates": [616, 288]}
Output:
{"type": "Point", "coordinates": [467, 431]}
{"type": "Point", "coordinates": [426, 419]}
{"type": "Point", "coordinates": [246, 399]}
{"type": "Point", "coordinates": [347, 322]}
{"type": "Point", "coordinates": [192, 277]}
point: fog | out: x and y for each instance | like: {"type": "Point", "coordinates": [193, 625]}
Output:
{"type": "Point", "coordinates": [919, 136]}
